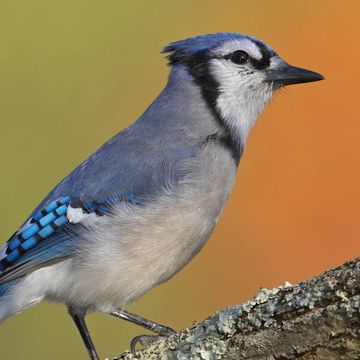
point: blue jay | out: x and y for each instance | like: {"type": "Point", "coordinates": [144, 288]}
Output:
{"type": "Point", "coordinates": [143, 205]}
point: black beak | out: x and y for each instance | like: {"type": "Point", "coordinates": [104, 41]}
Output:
{"type": "Point", "coordinates": [288, 75]}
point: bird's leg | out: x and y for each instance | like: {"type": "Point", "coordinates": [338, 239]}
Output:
{"type": "Point", "coordinates": [161, 330]}
{"type": "Point", "coordinates": [147, 324]}
{"type": "Point", "coordinates": [79, 321]}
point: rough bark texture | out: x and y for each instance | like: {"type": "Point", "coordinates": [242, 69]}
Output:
{"type": "Point", "coordinates": [315, 319]}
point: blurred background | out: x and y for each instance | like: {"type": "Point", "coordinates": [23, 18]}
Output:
{"type": "Point", "coordinates": [73, 73]}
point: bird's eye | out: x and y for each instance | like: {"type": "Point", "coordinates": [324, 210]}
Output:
{"type": "Point", "coordinates": [239, 57]}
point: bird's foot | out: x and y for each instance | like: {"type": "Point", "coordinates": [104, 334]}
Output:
{"type": "Point", "coordinates": [146, 340]}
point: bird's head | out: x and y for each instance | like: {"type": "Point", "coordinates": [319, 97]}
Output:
{"type": "Point", "coordinates": [237, 74]}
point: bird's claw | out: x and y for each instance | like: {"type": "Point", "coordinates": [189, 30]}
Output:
{"type": "Point", "coordinates": [145, 340]}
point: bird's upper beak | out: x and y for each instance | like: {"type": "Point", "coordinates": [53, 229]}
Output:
{"type": "Point", "coordinates": [284, 74]}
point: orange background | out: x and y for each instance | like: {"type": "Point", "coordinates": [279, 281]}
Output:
{"type": "Point", "coordinates": [73, 73]}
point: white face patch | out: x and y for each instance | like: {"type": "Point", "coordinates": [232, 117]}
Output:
{"type": "Point", "coordinates": [243, 93]}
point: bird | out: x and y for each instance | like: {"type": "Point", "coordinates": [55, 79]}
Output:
{"type": "Point", "coordinates": [144, 204]}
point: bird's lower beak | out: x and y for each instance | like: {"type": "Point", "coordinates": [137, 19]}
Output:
{"type": "Point", "coordinates": [288, 75]}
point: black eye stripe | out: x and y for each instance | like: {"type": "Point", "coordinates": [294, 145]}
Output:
{"type": "Point", "coordinates": [266, 55]}
{"type": "Point", "coordinates": [238, 57]}
{"type": "Point", "coordinates": [260, 64]}
{"type": "Point", "coordinates": [263, 63]}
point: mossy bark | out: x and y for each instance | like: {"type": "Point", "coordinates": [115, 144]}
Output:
{"type": "Point", "coordinates": [315, 319]}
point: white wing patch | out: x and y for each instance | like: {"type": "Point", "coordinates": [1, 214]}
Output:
{"type": "Point", "coordinates": [77, 215]}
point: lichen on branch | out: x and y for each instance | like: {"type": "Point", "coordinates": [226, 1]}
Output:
{"type": "Point", "coordinates": [315, 319]}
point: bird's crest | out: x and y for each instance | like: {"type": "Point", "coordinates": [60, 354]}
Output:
{"type": "Point", "coordinates": [182, 51]}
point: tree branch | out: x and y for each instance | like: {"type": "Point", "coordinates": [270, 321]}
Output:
{"type": "Point", "coordinates": [315, 319]}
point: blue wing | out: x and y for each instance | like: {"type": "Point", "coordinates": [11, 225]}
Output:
{"type": "Point", "coordinates": [48, 237]}
{"type": "Point", "coordinates": [133, 165]}
{"type": "Point", "coordinates": [40, 227]}
{"type": "Point", "coordinates": [44, 239]}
